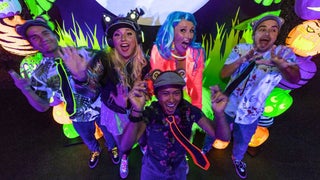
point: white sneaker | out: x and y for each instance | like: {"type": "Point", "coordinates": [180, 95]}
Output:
{"type": "Point", "coordinates": [124, 169]}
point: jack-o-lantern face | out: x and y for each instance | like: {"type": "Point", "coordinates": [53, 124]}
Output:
{"type": "Point", "coordinates": [304, 39]}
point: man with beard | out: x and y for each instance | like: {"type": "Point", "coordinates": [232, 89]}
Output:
{"type": "Point", "coordinates": [246, 102]}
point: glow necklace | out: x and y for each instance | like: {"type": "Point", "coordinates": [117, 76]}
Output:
{"type": "Point", "coordinates": [178, 57]}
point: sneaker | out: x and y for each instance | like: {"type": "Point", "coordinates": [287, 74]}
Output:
{"type": "Point", "coordinates": [94, 159]}
{"type": "Point", "coordinates": [143, 149]}
{"type": "Point", "coordinates": [114, 155]}
{"type": "Point", "coordinates": [124, 169]}
{"type": "Point", "coordinates": [240, 168]}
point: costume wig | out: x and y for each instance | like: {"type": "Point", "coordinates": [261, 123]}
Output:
{"type": "Point", "coordinates": [165, 34]}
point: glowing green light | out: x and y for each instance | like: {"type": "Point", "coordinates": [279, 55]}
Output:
{"type": "Point", "coordinates": [277, 102]}
{"type": "Point", "coordinates": [69, 131]}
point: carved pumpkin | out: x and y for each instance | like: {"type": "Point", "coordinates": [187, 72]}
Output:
{"type": "Point", "coordinates": [304, 39]}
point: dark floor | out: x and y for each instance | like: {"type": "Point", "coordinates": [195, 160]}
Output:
{"type": "Point", "coordinates": [33, 145]}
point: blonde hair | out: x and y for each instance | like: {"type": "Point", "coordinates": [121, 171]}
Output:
{"type": "Point", "coordinates": [138, 63]}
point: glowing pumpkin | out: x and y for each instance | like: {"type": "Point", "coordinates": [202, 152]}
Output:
{"type": "Point", "coordinates": [307, 70]}
{"type": "Point", "coordinates": [277, 102]}
{"type": "Point", "coordinates": [218, 144]}
{"type": "Point", "coordinates": [304, 39]}
{"type": "Point", "coordinates": [259, 137]}
{"type": "Point", "coordinates": [9, 8]}
{"type": "Point", "coordinates": [60, 115]}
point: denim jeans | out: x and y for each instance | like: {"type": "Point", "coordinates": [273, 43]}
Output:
{"type": "Point", "coordinates": [86, 131]}
{"type": "Point", "coordinates": [242, 134]}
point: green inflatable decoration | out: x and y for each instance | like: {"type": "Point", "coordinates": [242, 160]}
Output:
{"type": "Point", "coordinates": [69, 131]}
{"type": "Point", "coordinates": [277, 102]}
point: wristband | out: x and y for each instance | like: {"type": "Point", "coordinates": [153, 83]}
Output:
{"type": "Point", "coordinates": [135, 119]}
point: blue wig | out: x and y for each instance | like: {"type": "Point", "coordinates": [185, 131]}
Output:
{"type": "Point", "coordinates": [165, 34]}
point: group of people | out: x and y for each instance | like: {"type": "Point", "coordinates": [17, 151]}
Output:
{"type": "Point", "coordinates": [109, 88]}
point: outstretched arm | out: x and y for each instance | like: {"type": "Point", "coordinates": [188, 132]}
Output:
{"type": "Point", "coordinates": [220, 128]}
{"type": "Point", "coordinates": [136, 126]}
{"type": "Point", "coordinates": [229, 69]}
{"type": "Point", "coordinates": [34, 100]}
{"type": "Point", "coordinates": [289, 71]}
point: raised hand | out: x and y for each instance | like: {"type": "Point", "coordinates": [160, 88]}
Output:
{"type": "Point", "coordinates": [75, 62]}
{"type": "Point", "coordinates": [21, 83]}
{"type": "Point", "coordinates": [218, 100]}
{"type": "Point", "coordinates": [137, 95]}
{"type": "Point", "coordinates": [277, 57]}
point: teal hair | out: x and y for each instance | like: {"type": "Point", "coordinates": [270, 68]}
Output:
{"type": "Point", "coordinates": [165, 34]}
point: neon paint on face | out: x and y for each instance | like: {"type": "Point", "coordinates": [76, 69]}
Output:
{"type": "Point", "coordinates": [125, 42]}
{"type": "Point", "coordinates": [43, 40]}
{"type": "Point", "coordinates": [169, 99]}
{"type": "Point", "coordinates": [266, 35]}
{"type": "Point", "coordinates": [183, 35]}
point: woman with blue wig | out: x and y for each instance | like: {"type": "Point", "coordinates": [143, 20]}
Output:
{"type": "Point", "coordinates": [175, 49]}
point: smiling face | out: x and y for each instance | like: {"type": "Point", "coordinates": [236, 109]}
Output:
{"type": "Point", "coordinates": [169, 98]}
{"type": "Point", "coordinates": [265, 35]}
{"type": "Point", "coordinates": [125, 42]}
{"type": "Point", "coordinates": [43, 40]}
{"type": "Point", "coordinates": [183, 35]}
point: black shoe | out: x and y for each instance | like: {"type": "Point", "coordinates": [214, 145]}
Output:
{"type": "Point", "coordinates": [94, 159]}
{"type": "Point", "coordinates": [114, 155]}
{"type": "Point", "coordinates": [240, 168]}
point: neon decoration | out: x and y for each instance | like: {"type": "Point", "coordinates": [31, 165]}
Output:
{"type": "Point", "coordinates": [10, 40]}
{"type": "Point", "coordinates": [277, 102]}
{"type": "Point", "coordinates": [60, 115]}
{"type": "Point", "coordinates": [39, 7]}
{"type": "Point", "coordinates": [267, 2]}
{"type": "Point", "coordinates": [307, 70]}
{"type": "Point", "coordinates": [69, 131]}
{"type": "Point", "coordinates": [218, 144]}
{"type": "Point", "coordinates": [307, 9]}
{"type": "Point", "coordinates": [9, 8]}
{"type": "Point", "coordinates": [259, 137]}
{"type": "Point", "coordinates": [304, 38]}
